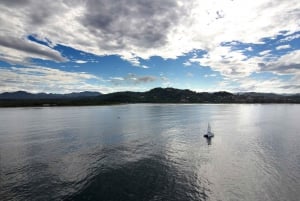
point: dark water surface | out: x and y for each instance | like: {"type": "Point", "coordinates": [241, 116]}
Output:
{"type": "Point", "coordinates": [150, 152]}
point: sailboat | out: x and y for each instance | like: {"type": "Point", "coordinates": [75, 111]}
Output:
{"type": "Point", "coordinates": [209, 134]}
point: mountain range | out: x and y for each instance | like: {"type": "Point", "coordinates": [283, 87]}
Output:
{"type": "Point", "coordinates": [26, 95]}
{"type": "Point", "coordinates": [156, 95]}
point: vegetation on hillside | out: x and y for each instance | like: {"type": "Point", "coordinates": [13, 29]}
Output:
{"type": "Point", "coordinates": [156, 95]}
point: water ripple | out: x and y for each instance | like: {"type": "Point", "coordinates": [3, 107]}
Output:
{"type": "Point", "coordinates": [151, 152]}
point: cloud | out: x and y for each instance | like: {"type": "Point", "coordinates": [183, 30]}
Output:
{"type": "Point", "coordinates": [286, 64]}
{"type": "Point", "coordinates": [144, 29]}
{"type": "Point", "coordinates": [285, 78]}
{"type": "Point", "coordinates": [189, 74]}
{"type": "Point", "coordinates": [16, 50]}
{"type": "Point", "coordinates": [187, 63]}
{"type": "Point", "coordinates": [43, 79]}
{"type": "Point", "coordinates": [237, 68]}
{"type": "Point", "coordinates": [228, 62]}
{"type": "Point", "coordinates": [139, 79]}
{"type": "Point", "coordinates": [80, 62]}
{"type": "Point", "coordinates": [275, 85]}
{"type": "Point", "coordinates": [282, 47]}
{"type": "Point", "coordinates": [210, 75]}
{"type": "Point", "coordinates": [137, 30]}
{"type": "Point", "coordinates": [250, 49]}
{"type": "Point", "coordinates": [131, 22]}
{"type": "Point", "coordinates": [295, 87]}
{"type": "Point", "coordinates": [145, 67]}
{"type": "Point", "coordinates": [290, 38]}
{"type": "Point", "coordinates": [166, 82]}
{"type": "Point", "coordinates": [132, 79]}
{"type": "Point", "coordinates": [117, 78]}
{"type": "Point", "coordinates": [16, 3]}
{"type": "Point", "coordinates": [144, 79]}
{"type": "Point", "coordinates": [265, 52]}
{"type": "Point", "coordinates": [134, 60]}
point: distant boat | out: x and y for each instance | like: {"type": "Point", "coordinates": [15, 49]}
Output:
{"type": "Point", "coordinates": [209, 134]}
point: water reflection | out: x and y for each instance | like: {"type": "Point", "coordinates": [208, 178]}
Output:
{"type": "Point", "coordinates": [145, 179]}
{"type": "Point", "coordinates": [149, 152]}
{"type": "Point", "coordinates": [208, 140]}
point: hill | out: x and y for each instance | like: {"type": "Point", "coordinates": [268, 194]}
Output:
{"type": "Point", "coordinates": [26, 95]}
{"type": "Point", "coordinates": [156, 95]}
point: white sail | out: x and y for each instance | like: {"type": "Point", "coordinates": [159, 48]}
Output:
{"type": "Point", "coordinates": [209, 133]}
{"type": "Point", "coordinates": [208, 128]}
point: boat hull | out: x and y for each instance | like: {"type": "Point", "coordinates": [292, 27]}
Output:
{"type": "Point", "coordinates": [208, 136]}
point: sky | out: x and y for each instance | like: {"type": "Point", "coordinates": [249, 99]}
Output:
{"type": "Point", "coordinates": [67, 46]}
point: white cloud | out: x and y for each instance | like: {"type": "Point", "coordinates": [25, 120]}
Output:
{"type": "Point", "coordinates": [265, 52]}
{"type": "Point", "coordinates": [131, 58]}
{"type": "Point", "coordinates": [210, 75]}
{"type": "Point", "coordinates": [21, 50]}
{"type": "Point", "coordinates": [166, 82]}
{"type": "Point", "coordinates": [117, 78]}
{"type": "Point", "coordinates": [138, 30]}
{"type": "Point", "coordinates": [134, 60]}
{"type": "Point", "coordinates": [270, 85]}
{"type": "Point", "coordinates": [144, 66]}
{"type": "Point", "coordinates": [285, 64]}
{"type": "Point", "coordinates": [249, 49]}
{"type": "Point", "coordinates": [43, 79]}
{"type": "Point", "coordinates": [236, 68]}
{"type": "Point", "coordinates": [228, 62]}
{"type": "Point", "coordinates": [282, 47]}
{"type": "Point", "coordinates": [187, 63]}
{"type": "Point", "coordinates": [132, 78]}
{"type": "Point", "coordinates": [250, 84]}
{"type": "Point", "coordinates": [168, 29]}
{"type": "Point", "coordinates": [80, 62]}
{"type": "Point", "coordinates": [290, 38]}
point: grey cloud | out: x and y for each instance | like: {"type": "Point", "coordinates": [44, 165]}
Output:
{"type": "Point", "coordinates": [291, 87]}
{"type": "Point", "coordinates": [35, 12]}
{"type": "Point", "coordinates": [141, 28]}
{"type": "Point", "coordinates": [145, 79]}
{"type": "Point", "coordinates": [136, 22]}
{"type": "Point", "coordinates": [262, 65]}
{"type": "Point", "coordinates": [295, 66]}
{"type": "Point", "coordinates": [285, 64]}
{"type": "Point", "coordinates": [140, 79]}
{"type": "Point", "coordinates": [289, 38]}
{"type": "Point", "coordinates": [40, 16]}
{"type": "Point", "coordinates": [42, 12]}
{"type": "Point", "coordinates": [15, 3]}
{"type": "Point", "coordinates": [133, 79]}
{"type": "Point", "coordinates": [13, 60]}
{"type": "Point", "coordinates": [43, 79]}
{"type": "Point", "coordinates": [280, 68]}
{"type": "Point", "coordinates": [98, 26]}
{"type": "Point", "coordinates": [31, 48]}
